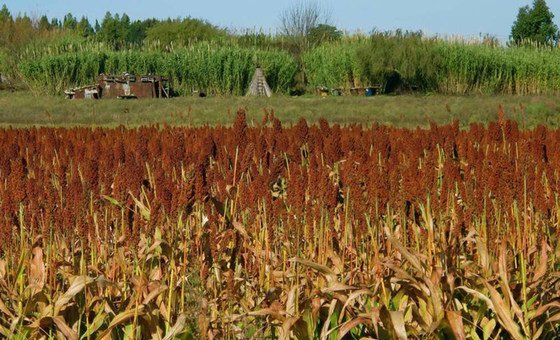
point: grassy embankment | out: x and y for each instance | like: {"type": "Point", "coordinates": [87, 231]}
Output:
{"type": "Point", "coordinates": [21, 109]}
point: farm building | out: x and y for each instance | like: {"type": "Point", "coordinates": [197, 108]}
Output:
{"type": "Point", "coordinates": [122, 87]}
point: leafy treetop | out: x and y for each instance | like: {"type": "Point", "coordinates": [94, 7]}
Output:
{"type": "Point", "coordinates": [535, 25]}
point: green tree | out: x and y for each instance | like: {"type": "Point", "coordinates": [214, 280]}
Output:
{"type": "Point", "coordinates": [69, 22]}
{"type": "Point", "coordinates": [138, 30]}
{"type": "Point", "coordinates": [535, 24]}
{"type": "Point", "coordinates": [55, 23]}
{"type": "Point", "coordinates": [324, 33]}
{"type": "Point", "coordinates": [5, 15]}
{"type": "Point", "coordinates": [44, 24]}
{"type": "Point", "coordinates": [6, 26]}
{"type": "Point", "coordinates": [183, 31]}
{"type": "Point", "coordinates": [117, 30]}
{"type": "Point", "coordinates": [24, 31]}
{"type": "Point", "coordinates": [83, 28]}
{"type": "Point", "coordinates": [109, 32]}
{"type": "Point", "coordinates": [124, 29]}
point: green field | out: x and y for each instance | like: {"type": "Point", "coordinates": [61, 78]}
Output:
{"type": "Point", "coordinates": [21, 109]}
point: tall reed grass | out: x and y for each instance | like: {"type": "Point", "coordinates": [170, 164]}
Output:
{"type": "Point", "coordinates": [396, 61]}
{"type": "Point", "coordinates": [207, 67]}
{"type": "Point", "coordinates": [435, 65]}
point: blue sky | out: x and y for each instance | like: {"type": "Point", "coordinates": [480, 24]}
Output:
{"type": "Point", "coordinates": [469, 18]}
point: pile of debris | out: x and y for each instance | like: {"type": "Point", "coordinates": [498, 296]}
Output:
{"type": "Point", "coordinates": [127, 86]}
{"type": "Point", "coordinates": [5, 83]}
{"type": "Point", "coordinates": [367, 91]}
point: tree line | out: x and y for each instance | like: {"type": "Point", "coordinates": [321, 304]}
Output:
{"type": "Point", "coordinates": [306, 22]}
{"type": "Point", "coordinates": [117, 30]}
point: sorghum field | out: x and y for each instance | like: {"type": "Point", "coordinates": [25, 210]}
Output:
{"type": "Point", "coordinates": [269, 231]}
